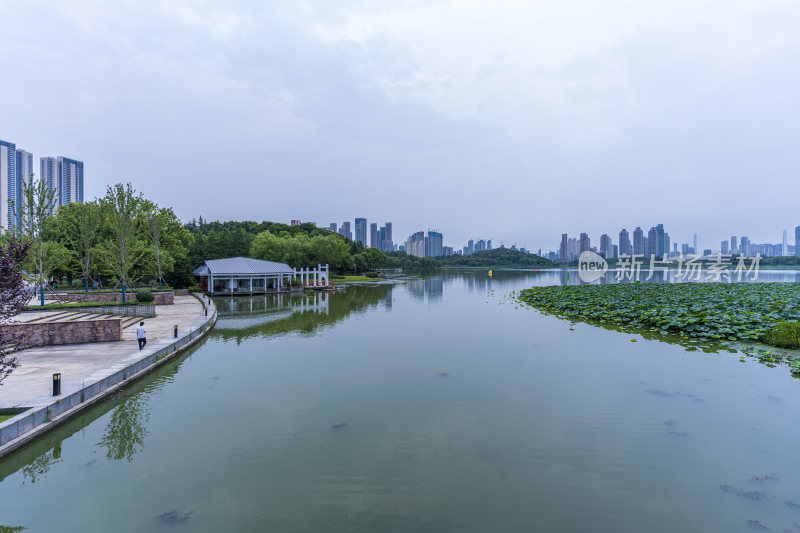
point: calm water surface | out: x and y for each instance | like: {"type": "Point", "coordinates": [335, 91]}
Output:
{"type": "Point", "coordinates": [432, 406]}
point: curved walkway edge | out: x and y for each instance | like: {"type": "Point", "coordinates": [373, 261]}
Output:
{"type": "Point", "coordinates": [47, 412]}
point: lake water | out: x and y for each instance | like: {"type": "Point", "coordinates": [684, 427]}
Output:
{"type": "Point", "coordinates": [436, 405]}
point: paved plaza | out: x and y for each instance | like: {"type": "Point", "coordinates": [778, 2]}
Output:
{"type": "Point", "coordinates": [75, 361]}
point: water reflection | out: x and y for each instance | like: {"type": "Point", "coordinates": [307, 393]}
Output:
{"type": "Point", "coordinates": [41, 465]}
{"type": "Point", "coordinates": [243, 317]}
{"type": "Point", "coordinates": [125, 432]}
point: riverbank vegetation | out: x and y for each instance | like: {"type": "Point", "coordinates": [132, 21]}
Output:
{"type": "Point", "coordinates": [719, 312]}
{"type": "Point", "coordinates": [497, 258]}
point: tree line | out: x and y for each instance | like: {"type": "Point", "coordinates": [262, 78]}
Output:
{"type": "Point", "coordinates": [120, 239]}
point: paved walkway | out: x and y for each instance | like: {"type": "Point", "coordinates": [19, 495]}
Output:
{"type": "Point", "coordinates": [76, 361]}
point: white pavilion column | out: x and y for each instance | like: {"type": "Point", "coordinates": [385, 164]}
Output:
{"type": "Point", "coordinates": [251, 287]}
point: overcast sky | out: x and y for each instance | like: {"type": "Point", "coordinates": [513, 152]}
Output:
{"type": "Point", "coordinates": [515, 122]}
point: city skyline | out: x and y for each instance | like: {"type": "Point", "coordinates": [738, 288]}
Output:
{"type": "Point", "coordinates": [560, 120]}
{"type": "Point", "coordinates": [658, 242]}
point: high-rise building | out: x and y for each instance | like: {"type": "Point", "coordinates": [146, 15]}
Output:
{"type": "Point", "coordinates": [433, 244]}
{"type": "Point", "coordinates": [797, 240]}
{"type": "Point", "coordinates": [294, 222]}
{"type": "Point", "coordinates": [723, 247]}
{"type": "Point", "coordinates": [333, 227]}
{"type": "Point", "coordinates": [470, 246]}
{"type": "Point", "coordinates": [572, 248]}
{"type": "Point", "coordinates": [447, 250]}
{"type": "Point", "coordinates": [387, 245]}
{"type": "Point", "coordinates": [345, 232]}
{"type": "Point", "coordinates": [638, 241]}
{"type": "Point", "coordinates": [563, 250]}
{"type": "Point", "coordinates": [734, 245]}
{"type": "Point", "coordinates": [624, 243]}
{"type": "Point", "coordinates": [785, 245]}
{"type": "Point", "coordinates": [585, 243]}
{"type": "Point", "coordinates": [24, 172]}
{"type": "Point", "coordinates": [361, 231]}
{"type": "Point", "coordinates": [744, 246]}
{"type": "Point", "coordinates": [65, 176]}
{"type": "Point", "coordinates": [373, 235]}
{"type": "Point", "coordinates": [694, 246]}
{"type": "Point", "coordinates": [605, 246]}
{"type": "Point", "coordinates": [480, 245]}
{"type": "Point", "coordinates": [489, 244]}
{"type": "Point", "coordinates": [415, 244]}
{"type": "Point", "coordinates": [9, 181]}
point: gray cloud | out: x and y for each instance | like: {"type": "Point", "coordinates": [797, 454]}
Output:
{"type": "Point", "coordinates": [517, 122]}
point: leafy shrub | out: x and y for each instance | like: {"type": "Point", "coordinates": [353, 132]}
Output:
{"type": "Point", "coordinates": [711, 311]}
{"type": "Point", "coordinates": [144, 297]}
{"type": "Point", "coordinates": [371, 274]}
{"type": "Point", "coordinates": [783, 335]}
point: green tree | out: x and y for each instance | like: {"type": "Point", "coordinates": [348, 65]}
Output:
{"type": "Point", "coordinates": [125, 244]}
{"type": "Point", "coordinates": [330, 250]}
{"type": "Point", "coordinates": [38, 203]}
{"type": "Point", "coordinates": [79, 225]}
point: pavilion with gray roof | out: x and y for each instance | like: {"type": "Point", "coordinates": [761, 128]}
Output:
{"type": "Point", "coordinates": [242, 275]}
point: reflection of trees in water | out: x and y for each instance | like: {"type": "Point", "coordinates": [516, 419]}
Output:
{"type": "Point", "coordinates": [36, 469]}
{"type": "Point", "coordinates": [339, 306]}
{"type": "Point", "coordinates": [125, 432]}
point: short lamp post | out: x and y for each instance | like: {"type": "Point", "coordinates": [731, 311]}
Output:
{"type": "Point", "coordinates": [57, 384]}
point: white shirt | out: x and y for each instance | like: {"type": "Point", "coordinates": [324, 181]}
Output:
{"type": "Point", "coordinates": [141, 332]}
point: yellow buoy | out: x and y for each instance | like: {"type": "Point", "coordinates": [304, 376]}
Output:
{"type": "Point", "coordinates": [490, 273]}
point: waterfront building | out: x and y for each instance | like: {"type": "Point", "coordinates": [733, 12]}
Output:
{"type": "Point", "coordinates": [447, 250]}
{"type": "Point", "coordinates": [470, 246]}
{"type": "Point", "coordinates": [243, 275]}
{"type": "Point", "coordinates": [361, 231]}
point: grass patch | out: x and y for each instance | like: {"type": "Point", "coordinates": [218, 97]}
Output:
{"type": "Point", "coordinates": [3, 418]}
{"type": "Point", "coordinates": [354, 278]}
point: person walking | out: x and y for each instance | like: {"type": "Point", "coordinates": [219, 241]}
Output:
{"type": "Point", "coordinates": [141, 335]}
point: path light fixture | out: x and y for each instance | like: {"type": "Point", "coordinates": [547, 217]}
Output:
{"type": "Point", "coordinates": [57, 384]}
{"type": "Point", "coordinates": [176, 331]}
